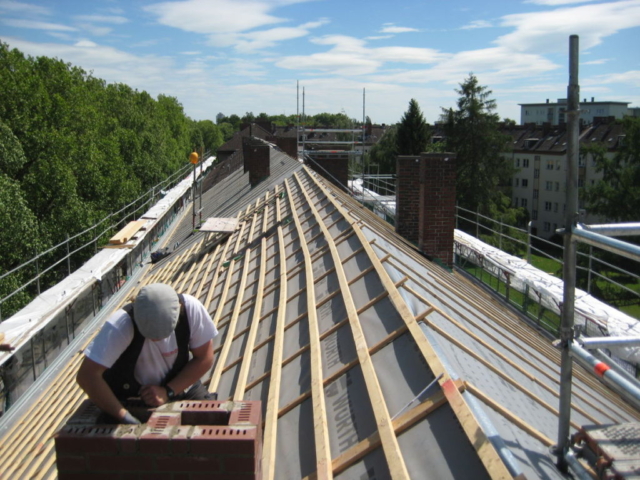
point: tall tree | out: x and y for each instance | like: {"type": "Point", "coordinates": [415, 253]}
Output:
{"type": "Point", "coordinates": [384, 153]}
{"type": "Point", "coordinates": [617, 195]}
{"type": "Point", "coordinates": [412, 136]}
{"type": "Point", "coordinates": [472, 132]}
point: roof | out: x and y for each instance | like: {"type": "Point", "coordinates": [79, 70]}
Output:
{"type": "Point", "coordinates": [235, 143]}
{"type": "Point", "coordinates": [340, 328]}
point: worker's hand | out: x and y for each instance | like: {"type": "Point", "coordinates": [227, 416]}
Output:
{"type": "Point", "coordinates": [130, 419]}
{"type": "Point", "coordinates": [153, 395]}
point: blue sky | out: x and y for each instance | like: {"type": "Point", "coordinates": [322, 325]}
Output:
{"type": "Point", "coordinates": [236, 56]}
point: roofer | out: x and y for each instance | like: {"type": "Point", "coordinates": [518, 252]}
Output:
{"type": "Point", "coordinates": [143, 350]}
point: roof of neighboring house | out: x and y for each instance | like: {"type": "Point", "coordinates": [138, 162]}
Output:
{"type": "Point", "coordinates": [553, 139]}
{"type": "Point", "coordinates": [235, 143]}
{"type": "Point", "coordinates": [370, 361]}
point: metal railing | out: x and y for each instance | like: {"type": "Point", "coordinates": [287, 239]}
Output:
{"type": "Point", "coordinates": [516, 241]}
{"type": "Point", "coordinates": [53, 255]}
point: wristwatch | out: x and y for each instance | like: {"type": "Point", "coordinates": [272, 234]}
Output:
{"type": "Point", "coordinates": [170, 393]}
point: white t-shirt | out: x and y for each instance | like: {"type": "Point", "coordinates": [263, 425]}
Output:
{"type": "Point", "coordinates": [156, 357]}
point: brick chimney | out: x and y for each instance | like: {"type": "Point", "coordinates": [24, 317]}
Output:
{"type": "Point", "coordinates": [288, 145]}
{"type": "Point", "coordinates": [426, 202]}
{"type": "Point", "coordinates": [184, 439]}
{"type": "Point", "coordinates": [256, 159]}
{"type": "Point", "coordinates": [333, 168]}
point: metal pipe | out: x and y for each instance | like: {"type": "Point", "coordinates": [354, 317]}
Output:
{"type": "Point", "coordinates": [603, 357]}
{"type": "Point", "coordinates": [615, 229]}
{"type": "Point", "coordinates": [577, 469]}
{"type": "Point", "coordinates": [627, 250]}
{"type": "Point", "coordinates": [529, 242]}
{"type": "Point", "coordinates": [569, 266]}
{"type": "Point", "coordinates": [592, 343]}
{"type": "Point", "coordinates": [626, 389]}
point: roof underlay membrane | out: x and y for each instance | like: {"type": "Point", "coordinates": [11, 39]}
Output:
{"type": "Point", "coordinates": [338, 326]}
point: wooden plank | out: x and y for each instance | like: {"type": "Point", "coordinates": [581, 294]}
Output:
{"type": "Point", "coordinates": [129, 231]}
{"type": "Point", "coordinates": [222, 356]}
{"type": "Point", "coordinates": [271, 416]}
{"type": "Point", "coordinates": [320, 429]}
{"type": "Point", "coordinates": [485, 450]}
{"type": "Point", "coordinates": [255, 321]}
{"type": "Point", "coordinates": [391, 448]}
{"type": "Point", "coordinates": [219, 225]}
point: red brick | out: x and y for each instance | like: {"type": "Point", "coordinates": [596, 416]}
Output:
{"type": "Point", "coordinates": [188, 464]}
{"type": "Point", "coordinates": [154, 442]}
{"type": "Point", "coordinates": [180, 440]}
{"type": "Point", "coordinates": [74, 440]}
{"type": "Point", "coordinates": [246, 413]}
{"type": "Point", "coordinates": [224, 440]}
{"type": "Point", "coordinates": [224, 476]}
{"type": "Point", "coordinates": [70, 463]}
{"type": "Point", "coordinates": [246, 464]}
{"type": "Point", "coordinates": [163, 419]}
{"type": "Point", "coordinates": [121, 463]}
{"type": "Point", "coordinates": [85, 476]}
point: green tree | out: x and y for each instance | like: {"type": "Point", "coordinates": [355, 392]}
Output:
{"type": "Point", "coordinates": [413, 133]}
{"type": "Point", "coordinates": [384, 153]}
{"type": "Point", "coordinates": [472, 131]}
{"type": "Point", "coordinates": [617, 195]}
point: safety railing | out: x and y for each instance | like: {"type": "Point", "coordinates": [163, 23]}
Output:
{"type": "Point", "coordinates": [47, 261]}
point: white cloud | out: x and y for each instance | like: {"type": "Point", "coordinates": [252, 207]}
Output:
{"type": "Point", "coordinates": [115, 19]}
{"type": "Point", "coordinates": [190, 53]}
{"type": "Point", "coordinates": [228, 22]}
{"type": "Point", "coordinates": [34, 25]}
{"type": "Point", "coordinates": [632, 78]}
{"type": "Point", "coordinates": [379, 37]}
{"type": "Point", "coordinates": [261, 39]}
{"type": "Point", "coordinates": [350, 56]}
{"type": "Point", "coordinates": [23, 8]}
{"type": "Point", "coordinates": [95, 29]}
{"type": "Point", "coordinates": [391, 28]}
{"type": "Point", "coordinates": [214, 16]}
{"type": "Point", "coordinates": [545, 32]}
{"type": "Point", "coordinates": [477, 24]}
{"type": "Point", "coordinates": [557, 2]}
{"type": "Point", "coordinates": [86, 44]}
{"type": "Point", "coordinates": [601, 61]}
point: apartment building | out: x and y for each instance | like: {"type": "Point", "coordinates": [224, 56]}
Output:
{"type": "Point", "coordinates": [555, 113]}
{"type": "Point", "coordinates": [539, 157]}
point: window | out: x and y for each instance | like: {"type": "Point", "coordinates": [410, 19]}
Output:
{"type": "Point", "coordinates": [557, 186]}
{"type": "Point", "coordinates": [515, 202]}
{"type": "Point", "coordinates": [523, 203]}
{"type": "Point", "coordinates": [525, 182]}
{"type": "Point", "coordinates": [536, 158]}
{"type": "Point", "coordinates": [555, 227]}
{"type": "Point", "coordinates": [536, 173]}
{"type": "Point", "coordinates": [547, 227]}
{"type": "Point", "coordinates": [536, 193]}
{"type": "Point", "coordinates": [558, 164]}
{"type": "Point", "coordinates": [582, 162]}
{"type": "Point", "coordinates": [516, 182]}
{"type": "Point", "coordinates": [534, 215]}
{"type": "Point", "coordinates": [517, 162]}
{"type": "Point", "coordinates": [547, 206]}
{"type": "Point", "coordinates": [581, 182]}
{"type": "Point", "coordinates": [549, 164]}
{"type": "Point", "coordinates": [548, 186]}
{"type": "Point", "coordinates": [525, 162]}
{"type": "Point", "coordinates": [555, 207]}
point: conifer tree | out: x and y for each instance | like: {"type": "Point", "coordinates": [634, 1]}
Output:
{"type": "Point", "coordinates": [413, 134]}
{"type": "Point", "coordinates": [472, 131]}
